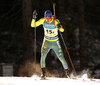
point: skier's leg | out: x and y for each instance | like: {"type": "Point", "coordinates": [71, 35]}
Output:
{"type": "Point", "coordinates": [58, 51]}
{"type": "Point", "coordinates": [44, 50]}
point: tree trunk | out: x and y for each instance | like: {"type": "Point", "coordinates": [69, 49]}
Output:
{"type": "Point", "coordinates": [61, 16]}
{"type": "Point", "coordinates": [83, 58]}
{"type": "Point", "coordinates": [62, 13]}
{"type": "Point", "coordinates": [28, 41]}
{"type": "Point", "coordinates": [26, 67]}
{"type": "Point", "coordinates": [69, 11]}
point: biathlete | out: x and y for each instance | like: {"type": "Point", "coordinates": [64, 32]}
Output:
{"type": "Point", "coordinates": [51, 26]}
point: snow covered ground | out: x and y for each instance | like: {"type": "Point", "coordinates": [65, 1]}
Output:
{"type": "Point", "coordinates": [35, 80]}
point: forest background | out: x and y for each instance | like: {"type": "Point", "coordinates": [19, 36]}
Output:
{"type": "Point", "coordinates": [79, 18]}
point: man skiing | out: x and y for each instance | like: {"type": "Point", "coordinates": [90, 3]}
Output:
{"type": "Point", "coordinates": [51, 39]}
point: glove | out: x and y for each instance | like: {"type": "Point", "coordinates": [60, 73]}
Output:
{"type": "Point", "coordinates": [59, 26]}
{"type": "Point", "coordinates": [34, 14]}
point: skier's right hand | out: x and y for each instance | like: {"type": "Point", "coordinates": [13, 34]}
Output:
{"type": "Point", "coordinates": [34, 14]}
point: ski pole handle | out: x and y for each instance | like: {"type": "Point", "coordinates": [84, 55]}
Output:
{"type": "Point", "coordinates": [34, 14]}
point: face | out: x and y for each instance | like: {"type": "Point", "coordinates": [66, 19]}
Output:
{"type": "Point", "coordinates": [48, 19]}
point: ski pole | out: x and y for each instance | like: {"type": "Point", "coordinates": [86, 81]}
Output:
{"type": "Point", "coordinates": [34, 15]}
{"type": "Point", "coordinates": [65, 44]}
{"type": "Point", "coordinates": [68, 53]}
{"type": "Point", "coordinates": [54, 4]}
{"type": "Point", "coordinates": [35, 42]}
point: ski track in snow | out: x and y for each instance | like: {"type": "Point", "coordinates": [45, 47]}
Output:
{"type": "Point", "coordinates": [35, 80]}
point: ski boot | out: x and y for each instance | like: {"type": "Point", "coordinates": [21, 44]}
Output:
{"type": "Point", "coordinates": [43, 75]}
{"type": "Point", "coordinates": [67, 73]}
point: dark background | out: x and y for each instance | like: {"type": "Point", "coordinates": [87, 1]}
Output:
{"type": "Point", "coordinates": [80, 19]}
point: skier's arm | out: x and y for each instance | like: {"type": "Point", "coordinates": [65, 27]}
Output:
{"type": "Point", "coordinates": [58, 22]}
{"type": "Point", "coordinates": [39, 22]}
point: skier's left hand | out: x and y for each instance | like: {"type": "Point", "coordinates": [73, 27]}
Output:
{"type": "Point", "coordinates": [59, 26]}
